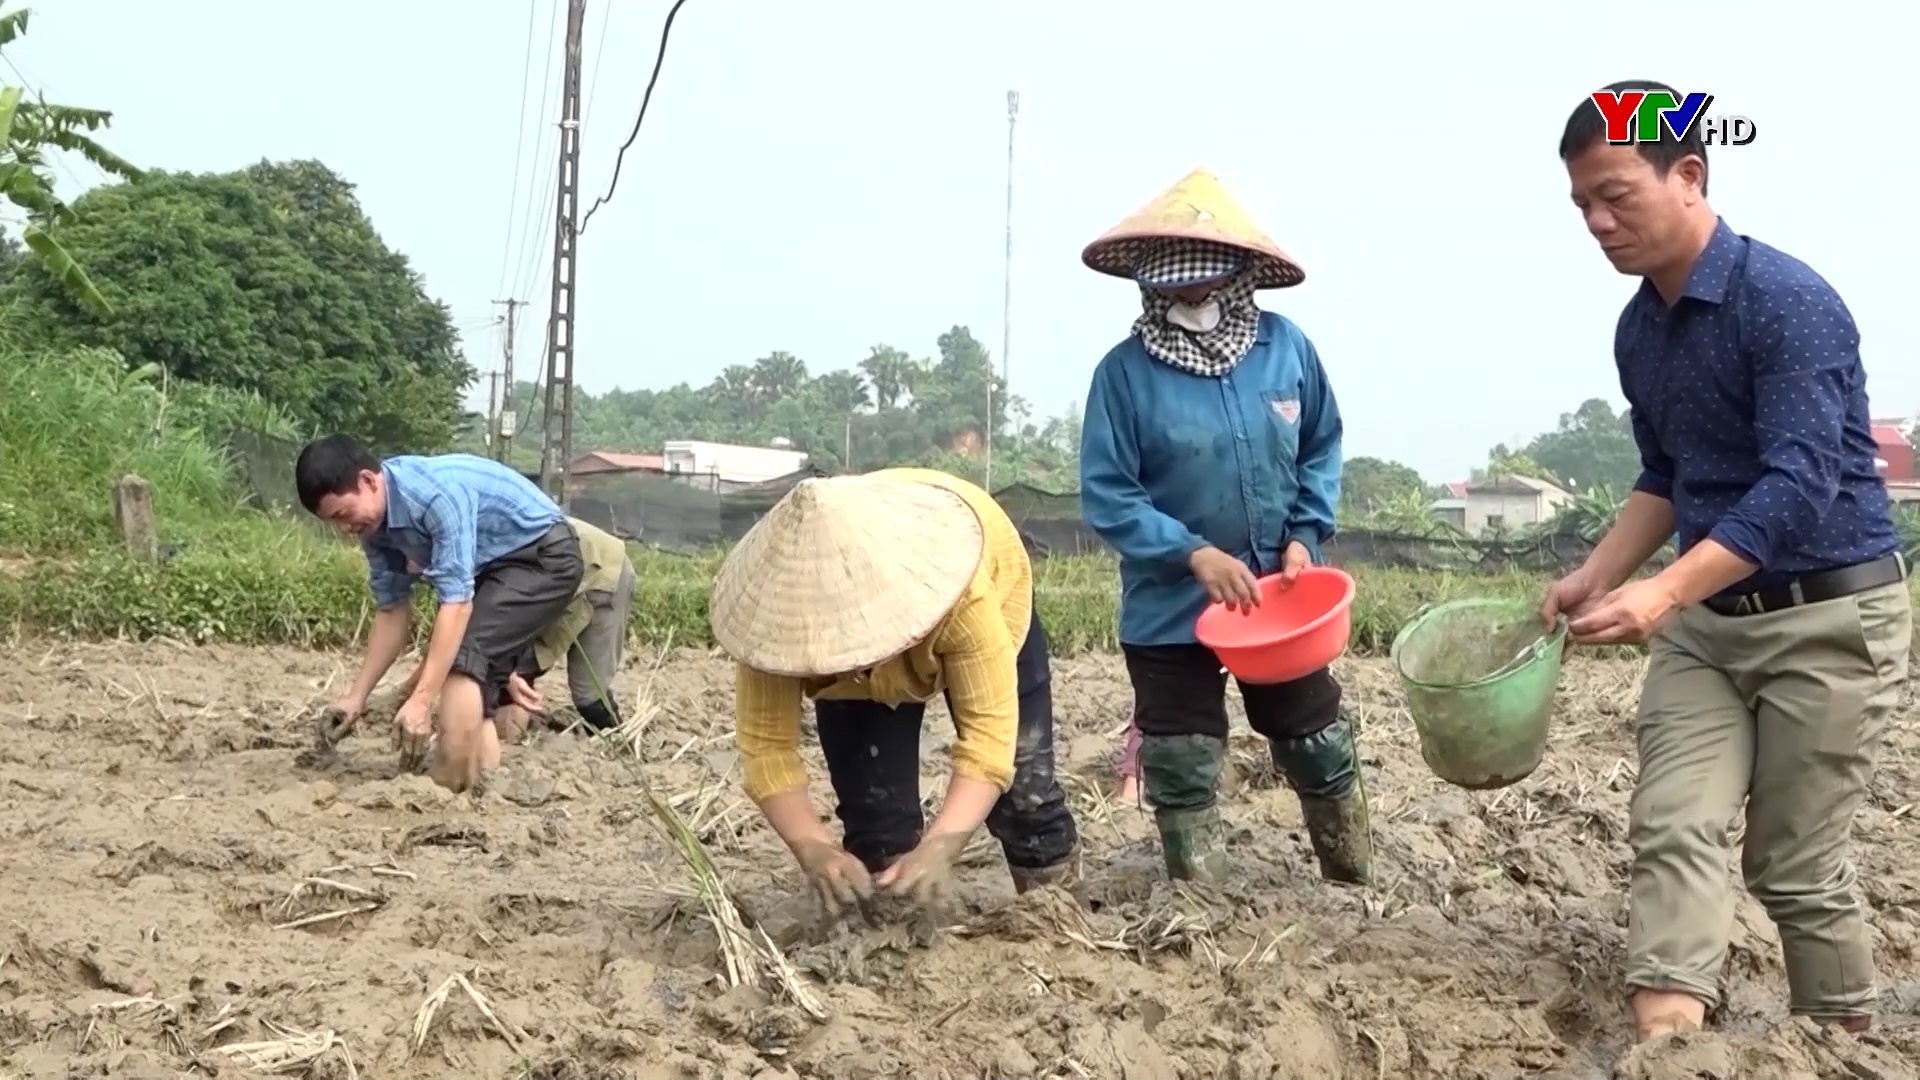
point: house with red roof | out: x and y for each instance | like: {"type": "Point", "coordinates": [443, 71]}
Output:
{"type": "Point", "coordinates": [1892, 451]}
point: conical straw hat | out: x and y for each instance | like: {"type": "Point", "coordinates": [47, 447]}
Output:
{"type": "Point", "coordinates": [1196, 208]}
{"type": "Point", "coordinates": [843, 573]}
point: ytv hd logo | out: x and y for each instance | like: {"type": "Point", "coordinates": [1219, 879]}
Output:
{"type": "Point", "coordinates": [1635, 116]}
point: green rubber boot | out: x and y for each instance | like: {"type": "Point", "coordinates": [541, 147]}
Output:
{"type": "Point", "coordinates": [1065, 873]}
{"type": "Point", "coordinates": [1324, 769]}
{"type": "Point", "coordinates": [1181, 774]}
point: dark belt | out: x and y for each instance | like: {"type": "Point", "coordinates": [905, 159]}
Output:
{"type": "Point", "coordinates": [1814, 588]}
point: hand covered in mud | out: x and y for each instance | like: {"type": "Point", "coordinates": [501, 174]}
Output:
{"type": "Point", "coordinates": [925, 873]}
{"type": "Point", "coordinates": [337, 720]}
{"type": "Point", "coordinates": [524, 694]}
{"type": "Point", "coordinates": [840, 880]}
{"type": "Point", "coordinates": [412, 732]}
{"type": "Point", "coordinates": [1573, 596]}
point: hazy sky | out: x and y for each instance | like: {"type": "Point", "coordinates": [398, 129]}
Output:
{"type": "Point", "coordinates": [820, 177]}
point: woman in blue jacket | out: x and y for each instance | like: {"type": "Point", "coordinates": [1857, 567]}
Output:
{"type": "Point", "coordinates": [1210, 455]}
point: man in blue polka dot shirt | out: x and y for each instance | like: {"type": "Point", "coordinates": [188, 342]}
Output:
{"type": "Point", "coordinates": [1779, 637]}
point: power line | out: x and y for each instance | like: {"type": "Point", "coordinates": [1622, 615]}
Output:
{"type": "Point", "coordinates": [519, 143]}
{"type": "Point", "coordinates": [58, 158]}
{"type": "Point", "coordinates": [529, 255]}
{"type": "Point", "coordinates": [659, 60]}
{"type": "Point", "coordinates": [586, 108]}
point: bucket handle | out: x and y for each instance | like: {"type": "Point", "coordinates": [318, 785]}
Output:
{"type": "Point", "coordinates": [1534, 651]}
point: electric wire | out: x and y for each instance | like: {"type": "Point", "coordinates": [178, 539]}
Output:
{"type": "Point", "coordinates": [519, 145]}
{"type": "Point", "coordinates": [524, 277]}
{"type": "Point", "coordinates": [659, 60]}
{"type": "Point", "coordinates": [593, 83]}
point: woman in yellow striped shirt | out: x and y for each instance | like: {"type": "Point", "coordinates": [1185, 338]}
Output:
{"type": "Point", "coordinates": [869, 595]}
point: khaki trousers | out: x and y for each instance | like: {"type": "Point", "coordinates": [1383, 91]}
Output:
{"type": "Point", "coordinates": [1782, 712]}
{"type": "Point", "coordinates": [596, 653]}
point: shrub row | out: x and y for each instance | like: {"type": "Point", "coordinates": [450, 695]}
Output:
{"type": "Point", "coordinates": [313, 593]}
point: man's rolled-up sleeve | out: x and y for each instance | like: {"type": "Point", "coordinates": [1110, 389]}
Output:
{"type": "Point", "coordinates": [450, 519]}
{"type": "Point", "coordinates": [391, 586]}
{"type": "Point", "coordinates": [1656, 468]}
{"type": "Point", "coordinates": [1805, 356]}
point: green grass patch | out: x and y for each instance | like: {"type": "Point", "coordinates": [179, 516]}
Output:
{"type": "Point", "coordinates": [268, 582]}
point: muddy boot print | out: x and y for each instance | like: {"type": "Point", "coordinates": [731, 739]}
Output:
{"type": "Point", "coordinates": [1065, 873]}
{"type": "Point", "coordinates": [1324, 769]}
{"type": "Point", "coordinates": [1181, 774]}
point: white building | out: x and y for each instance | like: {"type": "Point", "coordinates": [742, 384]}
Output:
{"type": "Point", "coordinates": [1508, 503]}
{"type": "Point", "coordinates": [726, 467]}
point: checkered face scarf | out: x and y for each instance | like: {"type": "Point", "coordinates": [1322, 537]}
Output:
{"type": "Point", "coordinates": [1211, 353]}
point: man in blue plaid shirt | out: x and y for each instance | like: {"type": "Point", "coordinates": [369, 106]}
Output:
{"type": "Point", "coordinates": [502, 560]}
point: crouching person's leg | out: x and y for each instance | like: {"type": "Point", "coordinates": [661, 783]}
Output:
{"type": "Point", "coordinates": [511, 720]}
{"type": "Point", "coordinates": [595, 657]}
{"type": "Point", "coordinates": [1035, 827]}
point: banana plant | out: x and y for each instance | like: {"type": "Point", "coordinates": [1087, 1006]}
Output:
{"type": "Point", "coordinates": [1589, 515]}
{"type": "Point", "coordinates": [1408, 513]}
{"type": "Point", "coordinates": [1906, 517]}
{"type": "Point", "coordinates": [28, 128]}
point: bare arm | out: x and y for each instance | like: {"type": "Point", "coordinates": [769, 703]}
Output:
{"type": "Point", "coordinates": [1704, 571]}
{"type": "Point", "coordinates": [791, 815]}
{"type": "Point", "coordinates": [385, 642]}
{"type": "Point", "coordinates": [449, 629]}
{"type": "Point", "coordinates": [1644, 524]}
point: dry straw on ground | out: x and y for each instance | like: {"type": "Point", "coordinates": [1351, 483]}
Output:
{"type": "Point", "coordinates": [749, 956]}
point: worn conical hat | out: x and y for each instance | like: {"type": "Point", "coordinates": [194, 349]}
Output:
{"type": "Point", "coordinates": [843, 573]}
{"type": "Point", "coordinates": [1196, 208]}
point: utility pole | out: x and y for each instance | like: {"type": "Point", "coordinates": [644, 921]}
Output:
{"type": "Point", "coordinates": [1006, 302]}
{"type": "Point", "coordinates": [559, 443]}
{"type": "Point", "coordinates": [507, 418]}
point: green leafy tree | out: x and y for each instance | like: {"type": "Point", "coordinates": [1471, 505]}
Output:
{"type": "Point", "coordinates": [269, 280]}
{"type": "Point", "coordinates": [1367, 483]}
{"type": "Point", "coordinates": [1502, 462]}
{"type": "Point", "coordinates": [892, 373]}
{"type": "Point", "coordinates": [28, 130]}
{"type": "Point", "coordinates": [951, 397]}
{"type": "Point", "coordinates": [1592, 446]}
{"type": "Point", "coordinates": [776, 376]}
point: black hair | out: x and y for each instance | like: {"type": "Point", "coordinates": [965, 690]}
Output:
{"type": "Point", "coordinates": [330, 466]}
{"type": "Point", "coordinates": [1587, 126]}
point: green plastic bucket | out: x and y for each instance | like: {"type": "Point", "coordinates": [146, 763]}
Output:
{"type": "Point", "coordinates": [1479, 677]}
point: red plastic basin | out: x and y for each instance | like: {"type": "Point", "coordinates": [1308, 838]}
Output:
{"type": "Point", "coordinates": [1296, 630]}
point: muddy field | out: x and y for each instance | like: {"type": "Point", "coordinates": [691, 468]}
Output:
{"type": "Point", "coordinates": [182, 892]}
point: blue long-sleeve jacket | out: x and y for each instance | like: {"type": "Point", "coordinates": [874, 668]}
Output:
{"type": "Point", "coordinates": [1172, 462]}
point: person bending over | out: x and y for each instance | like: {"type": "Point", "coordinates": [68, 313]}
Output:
{"type": "Point", "coordinates": [503, 562]}
{"type": "Point", "coordinates": [870, 595]}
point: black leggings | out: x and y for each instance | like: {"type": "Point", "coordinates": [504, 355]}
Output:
{"type": "Point", "coordinates": [1180, 690]}
{"type": "Point", "coordinates": [873, 757]}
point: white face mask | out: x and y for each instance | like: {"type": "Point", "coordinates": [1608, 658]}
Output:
{"type": "Point", "coordinates": [1200, 318]}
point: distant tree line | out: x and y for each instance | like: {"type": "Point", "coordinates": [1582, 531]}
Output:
{"type": "Point", "coordinates": [891, 408]}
